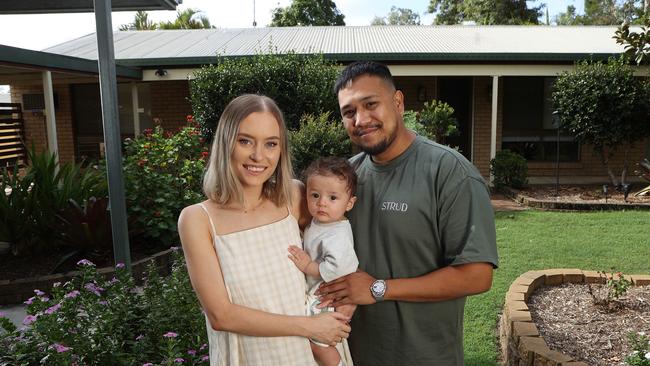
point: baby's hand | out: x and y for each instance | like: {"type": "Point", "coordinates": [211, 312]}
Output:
{"type": "Point", "coordinates": [299, 257]}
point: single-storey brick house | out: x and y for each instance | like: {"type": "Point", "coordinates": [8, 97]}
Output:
{"type": "Point", "coordinates": [497, 78]}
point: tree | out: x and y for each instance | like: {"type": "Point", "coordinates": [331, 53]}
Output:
{"type": "Point", "coordinates": [604, 12]}
{"type": "Point", "coordinates": [141, 22]}
{"type": "Point", "coordinates": [484, 12]}
{"type": "Point", "coordinates": [307, 12]}
{"type": "Point", "coordinates": [637, 45]}
{"type": "Point", "coordinates": [398, 16]}
{"type": "Point", "coordinates": [188, 19]}
{"type": "Point", "coordinates": [604, 105]}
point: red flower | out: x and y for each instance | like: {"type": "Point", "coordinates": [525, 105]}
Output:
{"type": "Point", "coordinates": [142, 162]}
{"type": "Point", "coordinates": [157, 214]}
{"type": "Point", "coordinates": [147, 132]}
{"type": "Point", "coordinates": [204, 155]}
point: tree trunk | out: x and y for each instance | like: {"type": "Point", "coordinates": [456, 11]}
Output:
{"type": "Point", "coordinates": [605, 160]}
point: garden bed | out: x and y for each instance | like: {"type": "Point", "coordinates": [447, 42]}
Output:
{"type": "Point", "coordinates": [579, 197]}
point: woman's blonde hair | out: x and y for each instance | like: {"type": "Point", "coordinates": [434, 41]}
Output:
{"type": "Point", "coordinates": [220, 182]}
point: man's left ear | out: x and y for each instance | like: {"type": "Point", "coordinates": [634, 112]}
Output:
{"type": "Point", "coordinates": [351, 202]}
{"type": "Point", "coordinates": [398, 99]}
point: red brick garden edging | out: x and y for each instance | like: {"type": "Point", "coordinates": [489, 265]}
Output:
{"type": "Point", "coordinates": [520, 341]}
{"type": "Point", "coordinates": [17, 291]}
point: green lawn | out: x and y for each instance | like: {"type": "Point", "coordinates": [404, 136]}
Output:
{"type": "Point", "coordinates": [539, 240]}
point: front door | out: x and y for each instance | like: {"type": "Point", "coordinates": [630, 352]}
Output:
{"type": "Point", "coordinates": [457, 92]}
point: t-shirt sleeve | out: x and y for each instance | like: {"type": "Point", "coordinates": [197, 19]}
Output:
{"type": "Point", "coordinates": [467, 223]}
{"type": "Point", "coordinates": [338, 257]}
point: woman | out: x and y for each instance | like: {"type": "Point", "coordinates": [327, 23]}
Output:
{"type": "Point", "coordinates": [235, 245]}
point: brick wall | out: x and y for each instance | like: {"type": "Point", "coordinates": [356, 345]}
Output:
{"type": "Point", "coordinates": [170, 103]}
{"type": "Point", "coordinates": [483, 123]}
{"type": "Point", "coordinates": [35, 129]}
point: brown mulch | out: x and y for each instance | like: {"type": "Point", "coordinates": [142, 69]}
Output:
{"type": "Point", "coordinates": [44, 263]}
{"type": "Point", "coordinates": [571, 323]}
{"type": "Point", "coordinates": [588, 193]}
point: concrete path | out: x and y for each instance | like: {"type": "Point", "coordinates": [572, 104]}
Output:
{"type": "Point", "coordinates": [503, 203]}
{"type": "Point", "coordinates": [15, 313]}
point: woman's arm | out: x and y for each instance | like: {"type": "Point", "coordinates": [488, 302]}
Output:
{"type": "Point", "coordinates": [207, 281]}
{"type": "Point", "coordinates": [299, 204]}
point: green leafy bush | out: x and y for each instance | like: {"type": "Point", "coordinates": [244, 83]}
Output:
{"type": "Point", "coordinates": [31, 202]}
{"type": "Point", "coordinates": [436, 117]}
{"type": "Point", "coordinates": [604, 105]}
{"type": "Point", "coordinates": [163, 173]}
{"type": "Point", "coordinates": [300, 84]}
{"type": "Point", "coordinates": [411, 122]}
{"type": "Point", "coordinates": [509, 169]}
{"type": "Point", "coordinates": [316, 137]}
{"type": "Point", "coordinates": [640, 345]}
{"type": "Point", "coordinates": [92, 320]}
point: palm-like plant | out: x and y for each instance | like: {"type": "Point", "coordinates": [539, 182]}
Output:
{"type": "Point", "coordinates": [141, 22]}
{"type": "Point", "coordinates": [188, 19]}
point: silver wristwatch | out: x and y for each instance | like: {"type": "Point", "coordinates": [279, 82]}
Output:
{"type": "Point", "coordinates": [378, 289]}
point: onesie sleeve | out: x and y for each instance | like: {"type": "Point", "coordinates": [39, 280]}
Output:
{"type": "Point", "coordinates": [339, 258]}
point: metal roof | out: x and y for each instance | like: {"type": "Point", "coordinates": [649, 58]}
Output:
{"type": "Point", "coordinates": [74, 6]}
{"type": "Point", "coordinates": [394, 43]}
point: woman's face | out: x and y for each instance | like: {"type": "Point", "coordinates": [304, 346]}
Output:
{"type": "Point", "coordinates": [257, 149]}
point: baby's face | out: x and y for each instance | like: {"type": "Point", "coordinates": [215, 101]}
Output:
{"type": "Point", "coordinates": [328, 198]}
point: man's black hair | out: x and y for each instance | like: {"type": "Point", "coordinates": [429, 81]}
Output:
{"type": "Point", "coordinates": [358, 68]}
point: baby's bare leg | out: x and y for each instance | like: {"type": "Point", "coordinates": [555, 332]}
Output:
{"type": "Point", "coordinates": [325, 356]}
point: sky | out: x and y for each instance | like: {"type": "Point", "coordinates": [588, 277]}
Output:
{"type": "Point", "coordinates": [40, 31]}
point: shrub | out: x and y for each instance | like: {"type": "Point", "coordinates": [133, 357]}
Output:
{"type": "Point", "coordinates": [300, 84]}
{"type": "Point", "coordinates": [438, 121]}
{"type": "Point", "coordinates": [163, 173]}
{"type": "Point", "coordinates": [411, 122]}
{"type": "Point", "coordinates": [95, 321]}
{"type": "Point", "coordinates": [604, 105]}
{"type": "Point", "coordinates": [317, 136]}
{"type": "Point", "coordinates": [640, 345]}
{"type": "Point", "coordinates": [509, 169]}
{"type": "Point", "coordinates": [27, 212]}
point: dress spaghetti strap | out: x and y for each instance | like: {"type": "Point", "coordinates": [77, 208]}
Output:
{"type": "Point", "coordinates": [214, 231]}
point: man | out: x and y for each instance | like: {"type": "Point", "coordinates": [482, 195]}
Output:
{"type": "Point", "coordinates": [423, 230]}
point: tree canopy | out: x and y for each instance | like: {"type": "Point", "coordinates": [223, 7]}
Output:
{"type": "Point", "coordinates": [604, 12]}
{"type": "Point", "coordinates": [398, 16]}
{"type": "Point", "coordinates": [484, 12]}
{"type": "Point", "coordinates": [141, 22]}
{"type": "Point", "coordinates": [307, 12]}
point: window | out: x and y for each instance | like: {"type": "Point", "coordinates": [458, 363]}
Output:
{"type": "Point", "coordinates": [528, 123]}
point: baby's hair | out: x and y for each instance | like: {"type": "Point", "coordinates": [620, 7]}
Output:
{"type": "Point", "coordinates": [333, 166]}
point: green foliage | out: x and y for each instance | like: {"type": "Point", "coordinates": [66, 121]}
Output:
{"type": "Point", "coordinates": [27, 212]}
{"type": "Point", "coordinates": [316, 137]}
{"type": "Point", "coordinates": [398, 16]}
{"type": "Point", "coordinates": [307, 13]}
{"type": "Point", "coordinates": [484, 12]}
{"type": "Point", "coordinates": [188, 19]}
{"type": "Point", "coordinates": [141, 22]}
{"type": "Point", "coordinates": [604, 105]}
{"type": "Point", "coordinates": [640, 345]}
{"type": "Point", "coordinates": [298, 84]}
{"type": "Point", "coordinates": [438, 121]}
{"type": "Point", "coordinates": [163, 173]}
{"type": "Point", "coordinates": [411, 122]}
{"type": "Point", "coordinates": [617, 285]}
{"type": "Point", "coordinates": [95, 321]}
{"type": "Point", "coordinates": [637, 45]}
{"type": "Point", "coordinates": [603, 12]}
{"type": "Point", "coordinates": [509, 169]}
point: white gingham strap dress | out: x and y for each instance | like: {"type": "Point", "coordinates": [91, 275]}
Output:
{"type": "Point", "coordinates": [258, 274]}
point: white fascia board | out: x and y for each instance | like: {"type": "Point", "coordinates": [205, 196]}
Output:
{"type": "Point", "coordinates": [490, 70]}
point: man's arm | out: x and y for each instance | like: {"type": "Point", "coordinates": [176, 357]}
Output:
{"type": "Point", "coordinates": [443, 284]}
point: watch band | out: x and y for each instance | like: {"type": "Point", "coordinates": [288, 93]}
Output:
{"type": "Point", "coordinates": [378, 290]}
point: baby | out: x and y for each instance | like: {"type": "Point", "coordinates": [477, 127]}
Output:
{"type": "Point", "coordinates": [328, 245]}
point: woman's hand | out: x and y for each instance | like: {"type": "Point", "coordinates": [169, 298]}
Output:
{"type": "Point", "coordinates": [329, 328]}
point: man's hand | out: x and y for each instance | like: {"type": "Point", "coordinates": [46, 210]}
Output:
{"type": "Point", "coordinates": [351, 289]}
{"type": "Point", "coordinates": [299, 257]}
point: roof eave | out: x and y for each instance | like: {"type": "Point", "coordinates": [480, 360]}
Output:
{"type": "Point", "coordinates": [50, 61]}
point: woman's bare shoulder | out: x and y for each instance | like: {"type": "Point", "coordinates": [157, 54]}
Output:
{"type": "Point", "coordinates": [193, 214]}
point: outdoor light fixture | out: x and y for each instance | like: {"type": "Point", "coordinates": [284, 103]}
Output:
{"type": "Point", "coordinates": [626, 191]}
{"type": "Point", "coordinates": [160, 72]}
{"type": "Point", "coordinates": [422, 94]}
{"type": "Point", "coordinates": [605, 191]}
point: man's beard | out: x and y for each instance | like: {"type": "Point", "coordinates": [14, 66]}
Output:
{"type": "Point", "coordinates": [381, 146]}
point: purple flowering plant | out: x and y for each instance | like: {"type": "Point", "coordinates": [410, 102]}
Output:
{"type": "Point", "coordinates": [92, 320]}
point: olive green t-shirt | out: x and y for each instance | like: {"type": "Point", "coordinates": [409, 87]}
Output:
{"type": "Point", "coordinates": [426, 209]}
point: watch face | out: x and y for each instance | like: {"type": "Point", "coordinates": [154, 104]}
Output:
{"type": "Point", "coordinates": [378, 287]}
